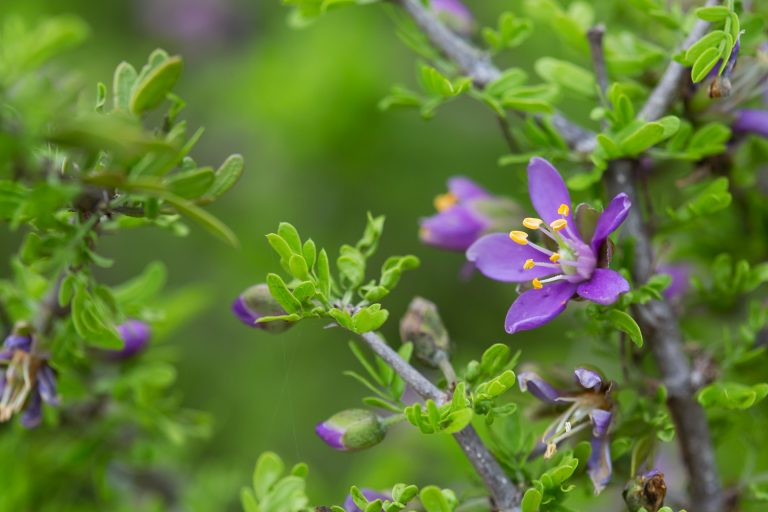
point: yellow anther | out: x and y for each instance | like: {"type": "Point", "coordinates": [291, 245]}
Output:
{"type": "Point", "coordinates": [563, 210]}
{"type": "Point", "coordinates": [537, 284]}
{"type": "Point", "coordinates": [445, 201]}
{"type": "Point", "coordinates": [532, 222]}
{"type": "Point", "coordinates": [555, 257]}
{"type": "Point", "coordinates": [520, 237]}
{"type": "Point", "coordinates": [529, 264]}
{"type": "Point", "coordinates": [558, 224]}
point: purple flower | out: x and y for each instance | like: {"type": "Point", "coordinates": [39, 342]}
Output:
{"type": "Point", "coordinates": [458, 222]}
{"type": "Point", "coordinates": [589, 406]}
{"type": "Point", "coordinates": [26, 381]}
{"type": "Point", "coordinates": [135, 335]}
{"type": "Point", "coordinates": [751, 121]}
{"type": "Point", "coordinates": [256, 302]}
{"type": "Point", "coordinates": [721, 82]}
{"type": "Point", "coordinates": [570, 268]}
{"type": "Point", "coordinates": [681, 280]}
{"type": "Point", "coordinates": [370, 495]}
{"type": "Point", "coordinates": [351, 430]}
{"type": "Point", "coordinates": [454, 14]}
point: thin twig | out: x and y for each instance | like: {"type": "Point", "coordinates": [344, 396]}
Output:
{"type": "Point", "coordinates": [505, 494]}
{"type": "Point", "coordinates": [477, 64]}
{"type": "Point", "coordinates": [595, 37]}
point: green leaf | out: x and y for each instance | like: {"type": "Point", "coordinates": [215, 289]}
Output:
{"type": "Point", "coordinates": [649, 135]}
{"type": "Point", "coordinates": [227, 175]}
{"type": "Point", "coordinates": [713, 13]}
{"type": "Point", "coordinates": [351, 265]}
{"type": "Point", "coordinates": [324, 274]}
{"type": "Point", "coordinates": [298, 266]}
{"type": "Point", "coordinates": [191, 184]}
{"type": "Point", "coordinates": [291, 236]}
{"type": "Point", "coordinates": [369, 318]}
{"type": "Point", "coordinates": [433, 500]}
{"type": "Point", "coordinates": [152, 89]}
{"type": "Point", "coordinates": [567, 75]}
{"type": "Point", "coordinates": [531, 501]}
{"type": "Point", "coordinates": [122, 86]}
{"type": "Point", "coordinates": [704, 64]}
{"type": "Point", "coordinates": [282, 294]}
{"type": "Point", "coordinates": [708, 42]}
{"type": "Point", "coordinates": [731, 395]}
{"type": "Point", "coordinates": [202, 217]}
{"type": "Point", "coordinates": [143, 287]}
{"type": "Point", "coordinates": [269, 469]}
{"type": "Point", "coordinates": [627, 324]}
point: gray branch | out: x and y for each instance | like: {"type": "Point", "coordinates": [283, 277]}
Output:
{"type": "Point", "coordinates": [506, 495]}
{"type": "Point", "coordinates": [662, 333]}
{"type": "Point", "coordinates": [657, 319]}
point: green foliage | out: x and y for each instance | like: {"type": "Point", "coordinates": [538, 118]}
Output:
{"type": "Point", "coordinates": [716, 46]}
{"type": "Point", "coordinates": [728, 279]}
{"type": "Point", "coordinates": [438, 89]}
{"type": "Point", "coordinates": [388, 387]}
{"type": "Point", "coordinates": [732, 395]}
{"type": "Point", "coordinates": [549, 490]}
{"type": "Point", "coordinates": [273, 491]}
{"type": "Point", "coordinates": [314, 293]}
{"type": "Point", "coordinates": [511, 32]}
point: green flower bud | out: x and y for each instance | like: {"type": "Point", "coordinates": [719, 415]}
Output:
{"type": "Point", "coordinates": [352, 430]}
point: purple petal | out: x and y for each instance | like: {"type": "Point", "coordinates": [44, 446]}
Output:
{"type": "Point", "coordinates": [548, 191]}
{"type": "Point", "coordinates": [6, 355]}
{"type": "Point", "coordinates": [610, 220]}
{"type": "Point", "coordinates": [454, 229]}
{"type": "Point", "coordinates": [501, 259]}
{"type": "Point", "coordinates": [33, 413]}
{"type": "Point", "coordinates": [241, 311]}
{"type": "Point", "coordinates": [751, 121]}
{"type": "Point", "coordinates": [370, 495]}
{"type": "Point", "coordinates": [46, 382]}
{"type": "Point", "coordinates": [601, 421]}
{"type": "Point", "coordinates": [538, 387]}
{"type": "Point", "coordinates": [588, 379]}
{"type": "Point", "coordinates": [537, 307]}
{"type": "Point", "coordinates": [681, 280]}
{"type": "Point", "coordinates": [604, 287]}
{"type": "Point", "coordinates": [18, 342]}
{"type": "Point", "coordinates": [466, 190]}
{"type": "Point", "coordinates": [330, 436]}
{"type": "Point", "coordinates": [599, 463]}
{"type": "Point", "coordinates": [135, 335]}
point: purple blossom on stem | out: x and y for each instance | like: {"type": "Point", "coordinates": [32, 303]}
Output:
{"type": "Point", "coordinates": [26, 381]}
{"type": "Point", "coordinates": [558, 274]}
{"type": "Point", "coordinates": [458, 222]}
{"type": "Point", "coordinates": [352, 429]}
{"type": "Point", "coordinates": [135, 335]}
{"type": "Point", "coordinates": [681, 280]}
{"type": "Point", "coordinates": [370, 495]}
{"type": "Point", "coordinates": [753, 121]}
{"type": "Point", "coordinates": [589, 406]}
{"type": "Point", "coordinates": [257, 302]}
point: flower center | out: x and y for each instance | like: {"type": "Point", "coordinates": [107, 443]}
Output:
{"type": "Point", "coordinates": [445, 201]}
{"type": "Point", "coordinates": [566, 261]}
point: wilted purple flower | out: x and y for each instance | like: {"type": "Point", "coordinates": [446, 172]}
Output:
{"type": "Point", "coordinates": [135, 335]}
{"type": "Point", "coordinates": [26, 381]}
{"type": "Point", "coordinates": [256, 302]}
{"type": "Point", "coordinates": [370, 495]}
{"type": "Point", "coordinates": [454, 14]}
{"type": "Point", "coordinates": [570, 268]}
{"type": "Point", "coordinates": [589, 406]}
{"type": "Point", "coordinates": [721, 82]}
{"type": "Point", "coordinates": [751, 121]}
{"type": "Point", "coordinates": [351, 430]}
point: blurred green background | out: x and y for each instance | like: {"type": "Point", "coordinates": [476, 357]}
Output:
{"type": "Point", "coordinates": [301, 106]}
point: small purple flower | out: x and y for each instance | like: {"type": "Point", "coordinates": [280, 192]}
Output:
{"type": "Point", "coordinates": [370, 495]}
{"type": "Point", "coordinates": [455, 14]}
{"type": "Point", "coordinates": [558, 274]}
{"type": "Point", "coordinates": [256, 302]}
{"type": "Point", "coordinates": [135, 335]}
{"type": "Point", "coordinates": [458, 222]}
{"type": "Point", "coordinates": [753, 121]}
{"type": "Point", "coordinates": [351, 430]}
{"type": "Point", "coordinates": [26, 381]}
{"type": "Point", "coordinates": [681, 280]}
{"type": "Point", "coordinates": [589, 406]}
